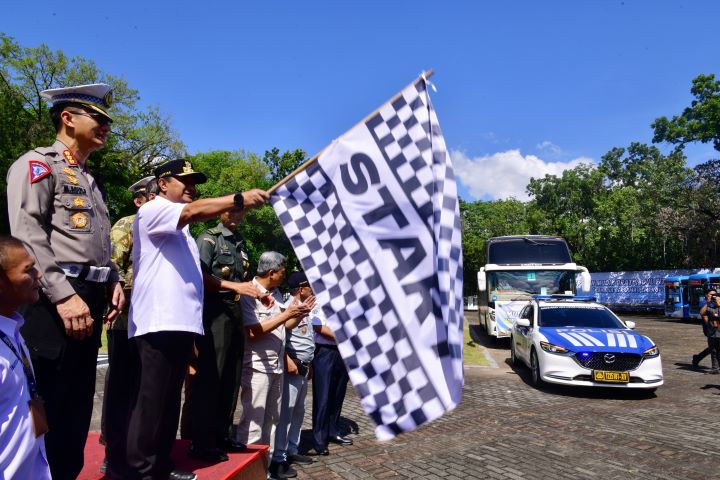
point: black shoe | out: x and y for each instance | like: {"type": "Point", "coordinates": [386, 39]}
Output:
{"type": "Point", "coordinates": [230, 445]}
{"type": "Point", "coordinates": [319, 451]}
{"type": "Point", "coordinates": [210, 455]}
{"type": "Point", "coordinates": [182, 475]}
{"type": "Point", "coordinates": [298, 459]}
{"type": "Point", "coordinates": [695, 361]}
{"type": "Point", "coordinates": [287, 470]}
{"type": "Point", "coordinates": [280, 470]}
{"type": "Point", "coordinates": [340, 440]}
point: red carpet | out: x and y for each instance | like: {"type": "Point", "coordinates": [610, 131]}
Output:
{"type": "Point", "coordinates": [248, 465]}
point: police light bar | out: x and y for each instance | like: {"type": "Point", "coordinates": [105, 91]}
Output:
{"type": "Point", "coordinates": [561, 297]}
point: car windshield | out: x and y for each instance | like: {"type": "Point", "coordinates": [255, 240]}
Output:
{"type": "Point", "coordinates": [581, 317]}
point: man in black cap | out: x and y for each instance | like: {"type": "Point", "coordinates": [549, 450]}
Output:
{"type": "Point", "coordinates": [166, 309]}
{"type": "Point", "coordinates": [57, 209]}
{"type": "Point", "coordinates": [121, 372]}
{"type": "Point", "coordinates": [299, 353]}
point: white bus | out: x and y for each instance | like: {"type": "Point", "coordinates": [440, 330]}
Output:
{"type": "Point", "coordinates": [519, 267]}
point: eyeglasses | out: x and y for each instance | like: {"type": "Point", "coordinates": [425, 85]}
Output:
{"type": "Point", "coordinates": [98, 117]}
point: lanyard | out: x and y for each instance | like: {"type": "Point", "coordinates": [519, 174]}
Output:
{"type": "Point", "coordinates": [26, 364]}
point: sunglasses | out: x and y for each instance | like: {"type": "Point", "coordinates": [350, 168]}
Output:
{"type": "Point", "coordinates": [98, 117]}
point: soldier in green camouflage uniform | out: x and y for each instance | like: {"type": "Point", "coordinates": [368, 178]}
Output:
{"type": "Point", "coordinates": [213, 395]}
{"type": "Point", "coordinates": [121, 372]}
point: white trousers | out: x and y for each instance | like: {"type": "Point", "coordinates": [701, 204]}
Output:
{"type": "Point", "coordinates": [260, 398]}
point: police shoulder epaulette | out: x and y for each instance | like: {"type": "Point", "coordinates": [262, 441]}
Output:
{"type": "Point", "coordinates": [209, 239]}
{"type": "Point", "coordinates": [46, 150]}
{"type": "Point", "coordinates": [214, 231]}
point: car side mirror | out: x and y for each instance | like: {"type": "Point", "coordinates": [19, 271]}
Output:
{"type": "Point", "coordinates": [522, 322]}
{"type": "Point", "coordinates": [630, 325]}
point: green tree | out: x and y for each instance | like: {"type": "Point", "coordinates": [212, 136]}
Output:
{"type": "Point", "coordinates": [281, 165]}
{"type": "Point", "coordinates": [239, 171]}
{"type": "Point", "coordinates": [564, 206]}
{"type": "Point", "coordinates": [483, 220]}
{"type": "Point", "coordinates": [700, 122]}
{"type": "Point", "coordinates": [625, 214]}
{"type": "Point", "coordinates": [139, 136]}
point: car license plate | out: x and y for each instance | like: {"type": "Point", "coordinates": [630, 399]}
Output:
{"type": "Point", "coordinates": [605, 376]}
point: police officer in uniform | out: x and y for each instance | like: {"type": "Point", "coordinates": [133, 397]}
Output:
{"type": "Point", "coordinates": [122, 369]}
{"type": "Point", "coordinates": [57, 209]}
{"type": "Point", "coordinates": [215, 386]}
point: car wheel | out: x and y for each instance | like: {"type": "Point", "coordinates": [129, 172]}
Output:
{"type": "Point", "coordinates": [535, 369]}
{"type": "Point", "coordinates": [513, 356]}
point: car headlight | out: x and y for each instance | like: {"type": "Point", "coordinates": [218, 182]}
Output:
{"type": "Point", "coordinates": [549, 347]}
{"type": "Point", "coordinates": [651, 352]}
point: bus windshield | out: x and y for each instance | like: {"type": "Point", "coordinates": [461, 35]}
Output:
{"type": "Point", "coordinates": [526, 250]}
{"type": "Point", "coordinates": [535, 282]}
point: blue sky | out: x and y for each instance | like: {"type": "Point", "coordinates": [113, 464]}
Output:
{"type": "Point", "coordinates": [525, 88]}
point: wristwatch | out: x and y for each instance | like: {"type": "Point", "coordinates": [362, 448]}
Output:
{"type": "Point", "coordinates": [238, 200]}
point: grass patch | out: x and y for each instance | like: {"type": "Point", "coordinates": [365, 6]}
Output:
{"type": "Point", "coordinates": [103, 340]}
{"type": "Point", "coordinates": [472, 353]}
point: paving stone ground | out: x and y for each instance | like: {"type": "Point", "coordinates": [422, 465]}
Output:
{"type": "Point", "coordinates": [506, 429]}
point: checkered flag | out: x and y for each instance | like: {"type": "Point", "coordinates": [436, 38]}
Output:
{"type": "Point", "coordinates": [375, 224]}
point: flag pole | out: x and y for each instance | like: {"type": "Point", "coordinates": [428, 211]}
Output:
{"type": "Point", "coordinates": [424, 75]}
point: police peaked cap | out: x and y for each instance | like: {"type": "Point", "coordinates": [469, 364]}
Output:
{"type": "Point", "coordinates": [141, 185]}
{"type": "Point", "coordinates": [97, 96]}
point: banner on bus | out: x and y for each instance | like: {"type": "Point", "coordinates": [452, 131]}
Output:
{"type": "Point", "coordinates": [505, 314]}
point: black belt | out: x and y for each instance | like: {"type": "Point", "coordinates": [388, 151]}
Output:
{"type": "Point", "coordinates": [325, 345]}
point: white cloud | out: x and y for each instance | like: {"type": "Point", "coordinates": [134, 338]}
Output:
{"type": "Point", "coordinates": [550, 147]}
{"type": "Point", "coordinates": [504, 174]}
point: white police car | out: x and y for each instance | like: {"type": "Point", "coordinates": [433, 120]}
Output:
{"type": "Point", "coordinates": [575, 341]}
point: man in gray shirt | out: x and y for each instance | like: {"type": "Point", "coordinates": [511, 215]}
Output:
{"type": "Point", "coordinates": [299, 352]}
